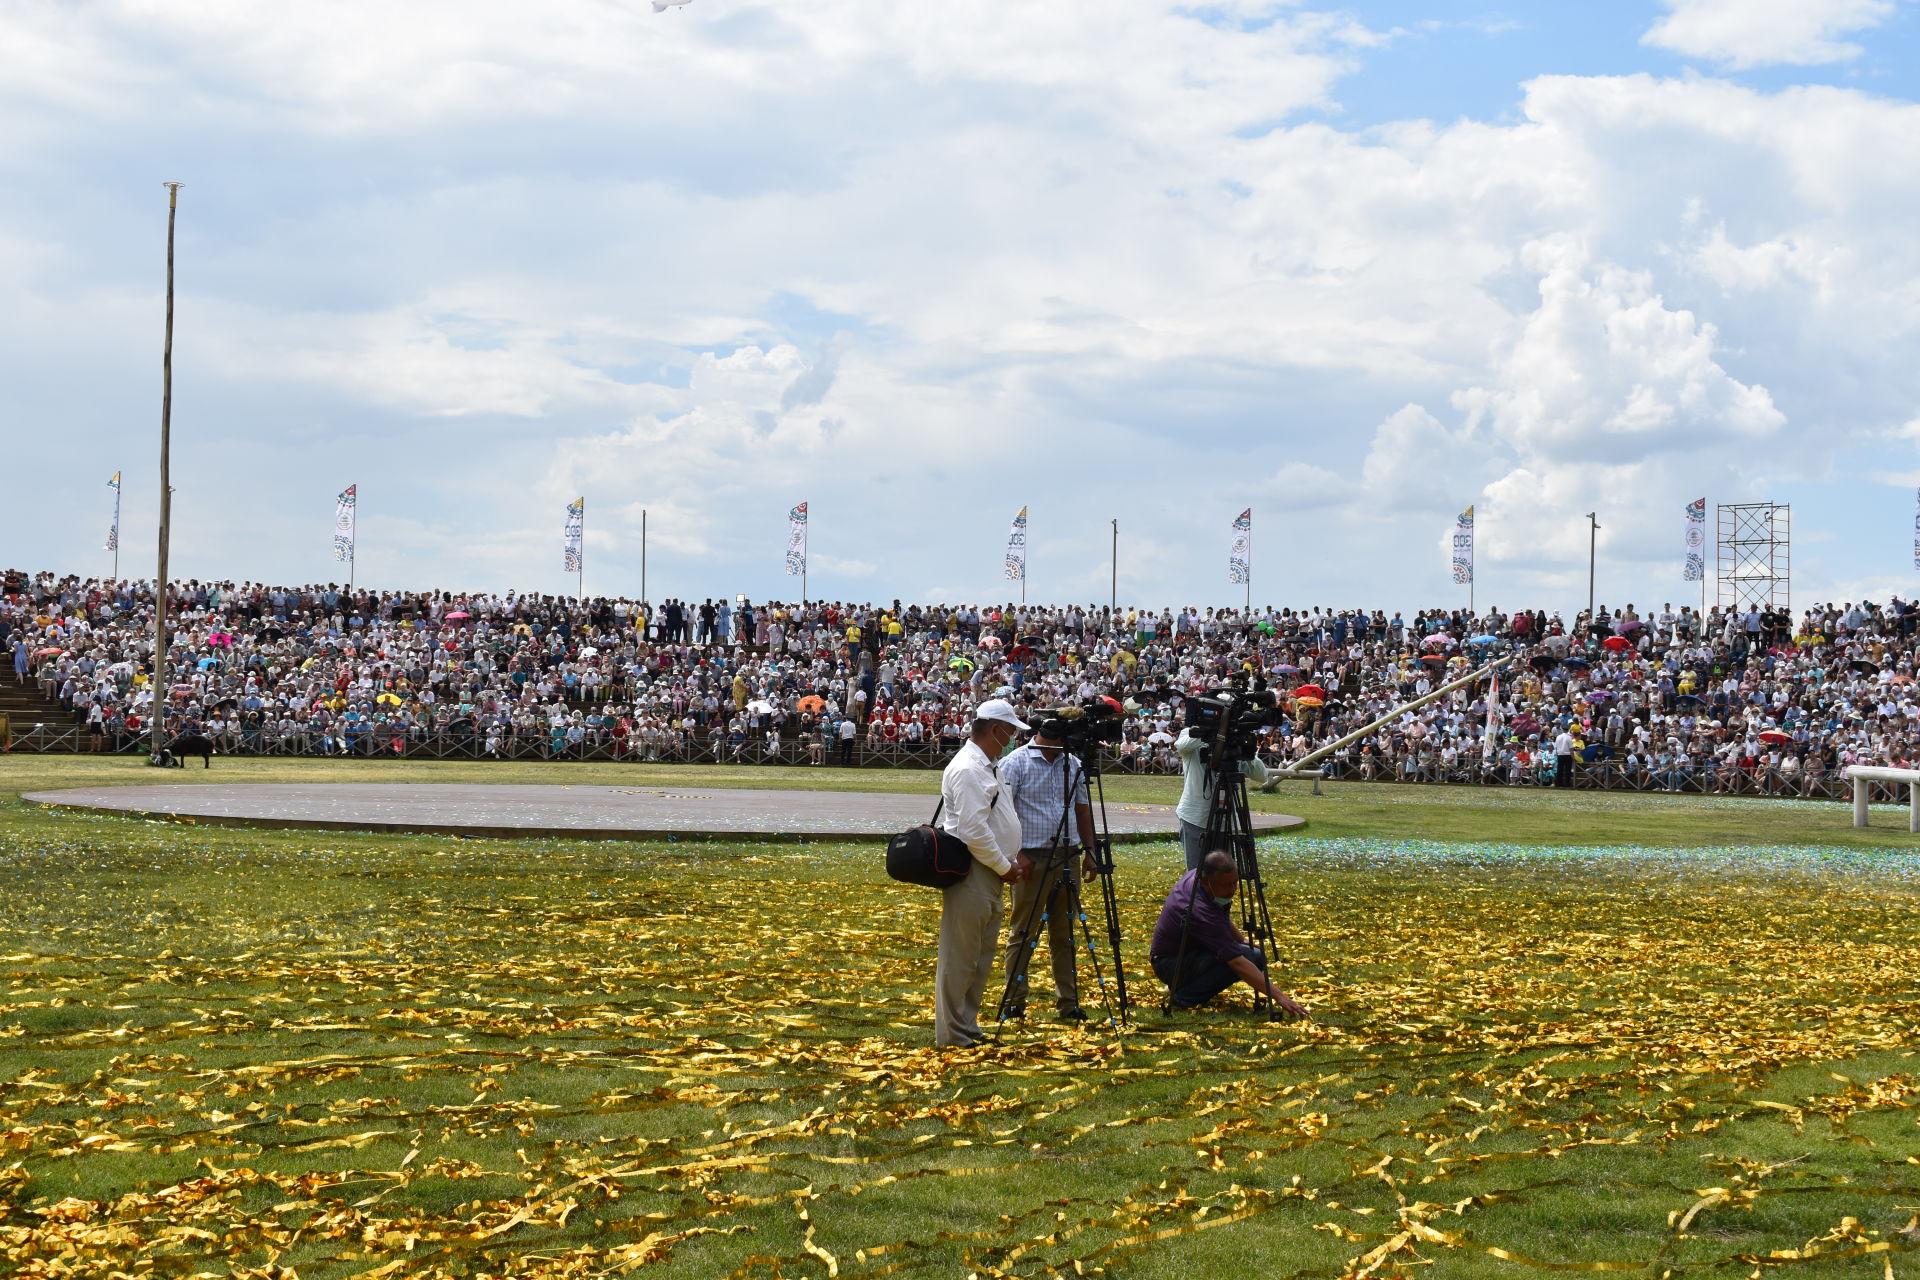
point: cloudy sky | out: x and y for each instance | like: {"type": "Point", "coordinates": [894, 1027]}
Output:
{"type": "Point", "coordinates": [920, 264]}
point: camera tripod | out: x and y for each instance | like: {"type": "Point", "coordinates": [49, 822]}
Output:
{"type": "Point", "coordinates": [1060, 890]}
{"type": "Point", "coordinates": [1230, 828]}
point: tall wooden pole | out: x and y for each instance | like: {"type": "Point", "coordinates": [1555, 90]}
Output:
{"type": "Point", "coordinates": [1113, 588]}
{"type": "Point", "coordinates": [1593, 544]}
{"type": "Point", "coordinates": [643, 555]}
{"type": "Point", "coordinates": [158, 719]}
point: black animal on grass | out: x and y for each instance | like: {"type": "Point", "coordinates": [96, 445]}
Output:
{"type": "Point", "coordinates": [191, 744]}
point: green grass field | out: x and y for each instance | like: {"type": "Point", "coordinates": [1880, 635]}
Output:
{"type": "Point", "coordinates": [1640, 1035]}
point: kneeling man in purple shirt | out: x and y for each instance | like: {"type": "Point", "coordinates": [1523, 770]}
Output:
{"type": "Point", "coordinates": [1196, 949]}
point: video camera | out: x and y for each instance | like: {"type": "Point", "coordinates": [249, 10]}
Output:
{"type": "Point", "coordinates": [1084, 726]}
{"type": "Point", "coordinates": [1229, 721]}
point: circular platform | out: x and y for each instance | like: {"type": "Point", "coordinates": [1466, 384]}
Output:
{"type": "Point", "coordinates": [567, 812]}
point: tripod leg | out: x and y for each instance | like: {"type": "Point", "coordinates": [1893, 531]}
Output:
{"type": "Point", "coordinates": [1103, 868]}
{"type": "Point", "coordinates": [1115, 1003]}
{"type": "Point", "coordinates": [1030, 918]}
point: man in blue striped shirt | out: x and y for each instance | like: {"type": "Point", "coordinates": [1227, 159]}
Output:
{"type": "Point", "coordinates": [1049, 790]}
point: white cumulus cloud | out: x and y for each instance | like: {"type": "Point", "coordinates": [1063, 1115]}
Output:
{"type": "Point", "coordinates": [1756, 33]}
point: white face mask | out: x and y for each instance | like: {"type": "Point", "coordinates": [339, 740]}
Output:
{"type": "Point", "coordinates": [1220, 901]}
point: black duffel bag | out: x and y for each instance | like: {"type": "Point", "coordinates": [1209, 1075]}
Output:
{"type": "Point", "coordinates": [929, 856]}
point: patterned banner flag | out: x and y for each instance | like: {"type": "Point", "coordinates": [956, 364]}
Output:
{"type": "Point", "coordinates": [1916, 532]}
{"type": "Point", "coordinates": [343, 515]}
{"type": "Point", "coordinates": [1017, 549]}
{"type": "Point", "coordinates": [797, 540]}
{"type": "Point", "coordinates": [576, 527]}
{"type": "Point", "coordinates": [1696, 541]}
{"type": "Point", "coordinates": [1240, 549]}
{"type": "Point", "coordinates": [1463, 547]}
{"type": "Point", "coordinates": [113, 533]}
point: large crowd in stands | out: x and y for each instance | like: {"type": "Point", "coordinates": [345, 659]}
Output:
{"type": "Point", "coordinates": [1729, 701]}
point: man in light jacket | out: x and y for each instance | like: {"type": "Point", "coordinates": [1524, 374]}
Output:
{"type": "Point", "coordinates": [975, 813]}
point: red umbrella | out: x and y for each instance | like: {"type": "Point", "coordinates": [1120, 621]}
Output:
{"type": "Point", "coordinates": [1309, 691]}
{"type": "Point", "coordinates": [1434, 657]}
{"type": "Point", "coordinates": [1775, 737]}
{"type": "Point", "coordinates": [1617, 643]}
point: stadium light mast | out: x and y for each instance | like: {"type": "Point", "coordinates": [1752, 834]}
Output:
{"type": "Point", "coordinates": [157, 718]}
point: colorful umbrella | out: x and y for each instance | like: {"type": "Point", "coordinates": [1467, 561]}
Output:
{"type": "Point", "coordinates": [1617, 643]}
{"type": "Point", "coordinates": [1311, 702]}
{"type": "Point", "coordinates": [457, 615]}
{"type": "Point", "coordinates": [1775, 737]}
{"type": "Point", "coordinates": [1310, 691]}
{"type": "Point", "coordinates": [812, 702]}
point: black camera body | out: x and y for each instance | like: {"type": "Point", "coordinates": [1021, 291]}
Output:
{"type": "Point", "coordinates": [1086, 725]}
{"type": "Point", "coordinates": [1229, 721]}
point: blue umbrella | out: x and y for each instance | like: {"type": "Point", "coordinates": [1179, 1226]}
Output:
{"type": "Point", "coordinates": [1484, 640]}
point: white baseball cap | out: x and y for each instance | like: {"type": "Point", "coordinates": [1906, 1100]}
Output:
{"type": "Point", "coordinates": [999, 709]}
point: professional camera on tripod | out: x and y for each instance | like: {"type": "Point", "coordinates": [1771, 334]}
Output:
{"type": "Point", "coordinates": [1080, 730]}
{"type": "Point", "coordinates": [1228, 722]}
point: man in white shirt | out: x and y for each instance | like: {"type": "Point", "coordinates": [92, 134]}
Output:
{"type": "Point", "coordinates": [975, 813]}
{"type": "Point", "coordinates": [1563, 759]}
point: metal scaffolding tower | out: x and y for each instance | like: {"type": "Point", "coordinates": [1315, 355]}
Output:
{"type": "Point", "coordinates": [1755, 561]}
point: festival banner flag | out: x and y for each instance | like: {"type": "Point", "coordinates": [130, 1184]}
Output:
{"type": "Point", "coordinates": [576, 527]}
{"type": "Point", "coordinates": [797, 541]}
{"type": "Point", "coordinates": [113, 533]}
{"type": "Point", "coordinates": [1463, 547]}
{"type": "Point", "coordinates": [343, 516]}
{"type": "Point", "coordinates": [1696, 570]}
{"type": "Point", "coordinates": [1240, 549]}
{"type": "Point", "coordinates": [1017, 549]}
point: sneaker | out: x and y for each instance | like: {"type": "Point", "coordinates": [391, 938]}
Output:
{"type": "Point", "coordinates": [1075, 1014]}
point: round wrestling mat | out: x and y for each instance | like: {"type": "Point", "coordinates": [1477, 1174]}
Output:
{"type": "Point", "coordinates": [567, 812]}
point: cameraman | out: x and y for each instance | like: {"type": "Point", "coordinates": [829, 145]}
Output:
{"type": "Point", "coordinates": [1046, 781]}
{"type": "Point", "coordinates": [1196, 949]}
{"type": "Point", "coordinates": [1196, 792]}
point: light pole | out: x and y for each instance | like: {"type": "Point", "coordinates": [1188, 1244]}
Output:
{"type": "Point", "coordinates": [157, 720]}
{"type": "Point", "coordinates": [1593, 542]}
{"type": "Point", "coordinates": [1113, 588]}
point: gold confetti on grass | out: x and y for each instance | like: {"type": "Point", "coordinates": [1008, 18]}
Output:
{"type": "Point", "coordinates": [234, 1055]}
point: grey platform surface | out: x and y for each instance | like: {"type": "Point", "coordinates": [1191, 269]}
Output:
{"type": "Point", "coordinates": [590, 812]}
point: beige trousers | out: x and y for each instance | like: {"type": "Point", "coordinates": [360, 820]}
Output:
{"type": "Point", "coordinates": [1056, 873]}
{"type": "Point", "coordinates": [969, 935]}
